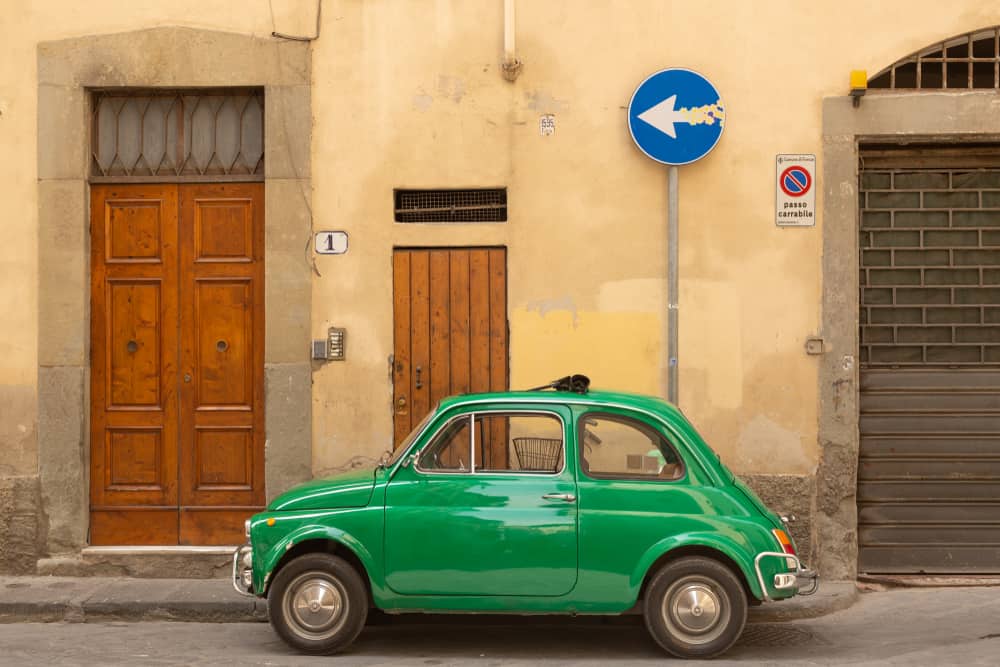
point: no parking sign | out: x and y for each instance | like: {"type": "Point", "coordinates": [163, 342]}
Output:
{"type": "Point", "coordinates": [795, 197]}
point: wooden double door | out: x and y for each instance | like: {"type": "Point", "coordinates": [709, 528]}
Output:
{"type": "Point", "coordinates": [177, 358]}
{"type": "Point", "coordinates": [450, 318]}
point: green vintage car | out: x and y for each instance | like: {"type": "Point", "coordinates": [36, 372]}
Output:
{"type": "Point", "coordinates": [565, 501]}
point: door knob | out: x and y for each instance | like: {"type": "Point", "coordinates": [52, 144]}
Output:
{"type": "Point", "coordinates": [401, 402]}
{"type": "Point", "coordinates": [187, 377]}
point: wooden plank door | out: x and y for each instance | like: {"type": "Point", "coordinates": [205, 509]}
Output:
{"type": "Point", "coordinates": [177, 333]}
{"type": "Point", "coordinates": [450, 328]}
{"type": "Point", "coordinates": [221, 443]}
{"type": "Point", "coordinates": [134, 406]}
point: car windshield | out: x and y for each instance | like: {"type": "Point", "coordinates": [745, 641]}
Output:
{"type": "Point", "coordinates": [403, 446]}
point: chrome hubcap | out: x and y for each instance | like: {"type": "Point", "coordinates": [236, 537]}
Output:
{"type": "Point", "coordinates": [316, 605]}
{"type": "Point", "coordinates": [695, 607]}
{"type": "Point", "coordinates": [695, 610]}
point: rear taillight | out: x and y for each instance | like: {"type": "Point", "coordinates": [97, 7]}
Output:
{"type": "Point", "coordinates": [784, 541]}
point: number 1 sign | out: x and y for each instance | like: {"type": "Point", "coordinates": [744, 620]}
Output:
{"type": "Point", "coordinates": [331, 243]}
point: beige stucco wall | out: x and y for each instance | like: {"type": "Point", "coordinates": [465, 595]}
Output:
{"type": "Point", "coordinates": [420, 103]}
{"type": "Point", "coordinates": [407, 93]}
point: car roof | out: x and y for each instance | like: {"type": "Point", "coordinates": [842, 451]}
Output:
{"type": "Point", "coordinates": [596, 398]}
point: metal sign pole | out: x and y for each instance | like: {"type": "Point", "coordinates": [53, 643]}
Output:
{"type": "Point", "coordinates": [672, 291]}
{"type": "Point", "coordinates": [675, 116]}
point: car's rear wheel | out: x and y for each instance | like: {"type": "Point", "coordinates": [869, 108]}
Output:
{"type": "Point", "coordinates": [695, 607]}
{"type": "Point", "coordinates": [318, 603]}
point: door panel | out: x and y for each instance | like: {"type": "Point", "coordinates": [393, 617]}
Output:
{"type": "Point", "coordinates": [223, 322]}
{"type": "Point", "coordinates": [134, 344]}
{"type": "Point", "coordinates": [177, 334]}
{"type": "Point", "coordinates": [450, 326]}
{"type": "Point", "coordinates": [143, 526]}
{"type": "Point", "coordinates": [134, 409]}
{"type": "Point", "coordinates": [134, 459]}
{"type": "Point", "coordinates": [222, 352]}
{"type": "Point", "coordinates": [492, 534]}
{"type": "Point", "coordinates": [495, 531]}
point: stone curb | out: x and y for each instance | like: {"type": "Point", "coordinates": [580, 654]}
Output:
{"type": "Point", "coordinates": [95, 611]}
{"type": "Point", "coordinates": [82, 599]}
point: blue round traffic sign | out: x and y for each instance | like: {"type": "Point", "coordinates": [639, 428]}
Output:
{"type": "Point", "coordinates": [676, 116]}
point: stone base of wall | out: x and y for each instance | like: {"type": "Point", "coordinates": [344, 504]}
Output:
{"type": "Point", "coordinates": [167, 563]}
{"type": "Point", "coordinates": [20, 507]}
{"type": "Point", "coordinates": [789, 495]}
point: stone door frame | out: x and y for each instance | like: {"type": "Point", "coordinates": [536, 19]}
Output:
{"type": "Point", "coordinates": [947, 117]}
{"type": "Point", "coordinates": [169, 57]}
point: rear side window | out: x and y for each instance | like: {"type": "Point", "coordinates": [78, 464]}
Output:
{"type": "Point", "coordinates": [617, 447]}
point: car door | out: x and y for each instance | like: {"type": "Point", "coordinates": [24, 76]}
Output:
{"type": "Point", "coordinates": [487, 507]}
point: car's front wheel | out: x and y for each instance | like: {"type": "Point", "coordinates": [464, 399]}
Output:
{"type": "Point", "coordinates": [695, 607]}
{"type": "Point", "coordinates": [318, 603]}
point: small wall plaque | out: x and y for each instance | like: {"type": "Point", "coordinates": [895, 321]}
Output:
{"type": "Point", "coordinates": [331, 243]}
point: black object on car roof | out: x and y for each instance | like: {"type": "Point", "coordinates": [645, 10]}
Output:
{"type": "Point", "coordinates": [577, 384]}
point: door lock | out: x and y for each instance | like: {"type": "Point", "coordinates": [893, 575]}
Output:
{"type": "Point", "coordinates": [419, 384]}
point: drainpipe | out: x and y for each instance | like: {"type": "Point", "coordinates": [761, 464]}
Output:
{"type": "Point", "coordinates": [511, 66]}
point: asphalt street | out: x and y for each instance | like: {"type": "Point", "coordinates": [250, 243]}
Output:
{"type": "Point", "coordinates": [939, 626]}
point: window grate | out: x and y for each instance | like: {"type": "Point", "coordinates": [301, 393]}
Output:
{"type": "Point", "coordinates": [177, 135]}
{"type": "Point", "coordinates": [480, 205]}
{"type": "Point", "coordinates": [930, 267]}
{"type": "Point", "coordinates": [966, 62]}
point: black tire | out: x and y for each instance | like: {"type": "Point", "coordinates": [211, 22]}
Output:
{"type": "Point", "coordinates": [695, 607]}
{"type": "Point", "coordinates": [318, 604]}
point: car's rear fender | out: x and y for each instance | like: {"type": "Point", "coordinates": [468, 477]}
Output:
{"type": "Point", "coordinates": [732, 553]}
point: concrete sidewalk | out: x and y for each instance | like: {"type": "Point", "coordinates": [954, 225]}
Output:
{"type": "Point", "coordinates": [83, 599]}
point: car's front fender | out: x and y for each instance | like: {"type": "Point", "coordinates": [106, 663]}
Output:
{"type": "Point", "coordinates": [272, 557]}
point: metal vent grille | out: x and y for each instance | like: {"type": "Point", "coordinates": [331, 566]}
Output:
{"type": "Point", "coordinates": [482, 205]}
{"type": "Point", "coordinates": [968, 61]}
{"type": "Point", "coordinates": [930, 267]}
{"type": "Point", "coordinates": [179, 135]}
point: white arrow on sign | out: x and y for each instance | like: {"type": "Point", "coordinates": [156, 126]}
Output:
{"type": "Point", "coordinates": [662, 116]}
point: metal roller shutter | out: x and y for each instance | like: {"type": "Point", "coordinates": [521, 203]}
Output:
{"type": "Point", "coordinates": [929, 470]}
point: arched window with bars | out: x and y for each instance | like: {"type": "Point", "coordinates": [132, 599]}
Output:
{"type": "Point", "coordinates": [965, 62]}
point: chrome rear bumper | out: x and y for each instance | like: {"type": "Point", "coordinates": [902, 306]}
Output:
{"type": "Point", "coordinates": [243, 570]}
{"type": "Point", "coordinates": [803, 580]}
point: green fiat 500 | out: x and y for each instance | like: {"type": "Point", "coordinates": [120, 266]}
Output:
{"type": "Point", "coordinates": [536, 502]}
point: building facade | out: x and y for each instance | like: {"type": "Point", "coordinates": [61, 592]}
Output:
{"type": "Point", "coordinates": [170, 165]}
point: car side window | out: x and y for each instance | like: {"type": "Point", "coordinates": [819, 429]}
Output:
{"type": "Point", "coordinates": [493, 442]}
{"type": "Point", "coordinates": [617, 447]}
{"type": "Point", "coordinates": [509, 442]}
{"type": "Point", "coordinates": [449, 451]}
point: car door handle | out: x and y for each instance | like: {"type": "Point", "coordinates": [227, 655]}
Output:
{"type": "Point", "coordinates": [565, 497]}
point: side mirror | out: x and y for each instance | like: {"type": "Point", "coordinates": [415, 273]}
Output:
{"type": "Point", "coordinates": [410, 459]}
